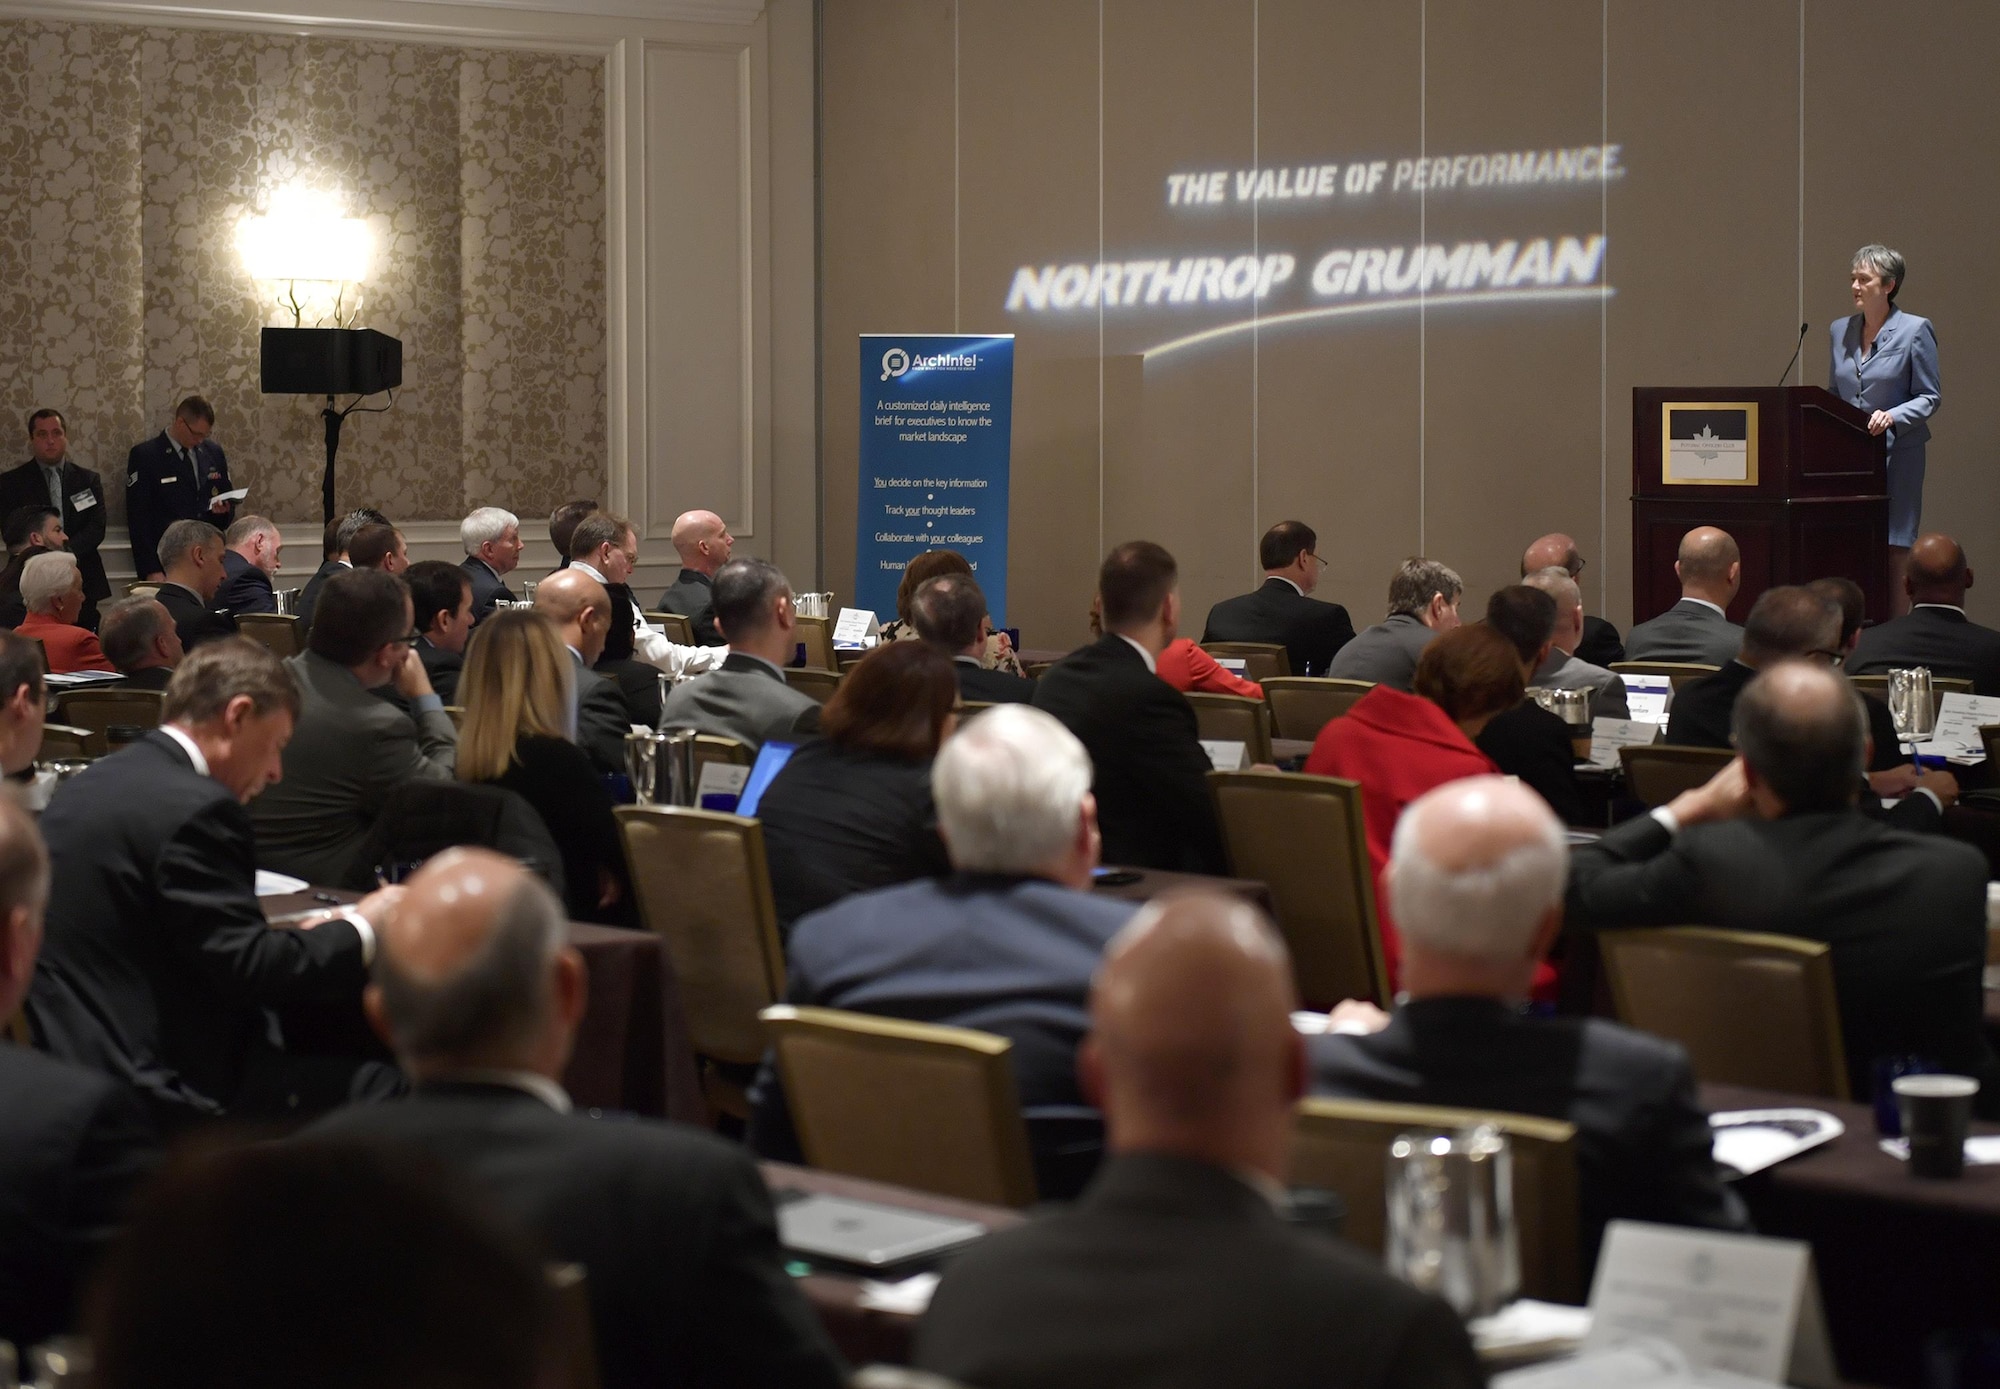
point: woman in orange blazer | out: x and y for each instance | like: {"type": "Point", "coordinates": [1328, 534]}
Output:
{"type": "Point", "coordinates": [52, 589]}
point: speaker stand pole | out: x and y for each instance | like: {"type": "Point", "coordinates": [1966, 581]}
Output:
{"type": "Point", "coordinates": [334, 419]}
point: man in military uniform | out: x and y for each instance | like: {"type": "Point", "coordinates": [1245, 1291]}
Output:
{"type": "Point", "coordinates": [178, 475]}
{"type": "Point", "coordinates": [54, 479]}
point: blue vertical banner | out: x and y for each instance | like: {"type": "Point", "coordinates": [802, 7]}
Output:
{"type": "Point", "coordinates": [937, 412]}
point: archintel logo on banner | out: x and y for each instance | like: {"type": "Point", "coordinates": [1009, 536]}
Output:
{"type": "Point", "coordinates": [936, 441]}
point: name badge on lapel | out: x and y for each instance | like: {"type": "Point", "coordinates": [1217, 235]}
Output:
{"type": "Point", "coordinates": [84, 500]}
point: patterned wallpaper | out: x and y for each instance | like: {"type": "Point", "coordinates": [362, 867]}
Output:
{"type": "Point", "coordinates": [127, 156]}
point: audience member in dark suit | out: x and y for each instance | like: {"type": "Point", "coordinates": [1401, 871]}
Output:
{"type": "Point", "coordinates": [139, 638]}
{"type": "Point", "coordinates": [1177, 1266]}
{"type": "Point", "coordinates": [52, 479]}
{"type": "Point", "coordinates": [379, 545]}
{"type": "Point", "coordinates": [158, 967]}
{"type": "Point", "coordinates": [1561, 669]}
{"type": "Point", "coordinates": [517, 678]}
{"type": "Point", "coordinates": [441, 607]}
{"type": "Point", "coordinates": [23, 704]}
{"type": "Point", "coordinates": [1152, 775]}
{"type": "Point", "coordinates": [747, 699]}
{"type": "Point", "coordinates": [1006, 945]}
{"type": "Point", "coordinates": [73, 1143]}
{"type": "Point", "coordinates": [191, 554]}
{"type": "Point", "coordinates": [581, 611]}
{"type": "Point", "coordinates": [333, 546]}
{"type": "Point", "coordinates": [1791, 623]}
{"type": "Point", "coordinates": [1935, 632]}
{"type": "Point", "coordinates": [480, 997]}
{"type": "Point", "coordinates": [177, 475]}
{"type": "Point", "coordinates": [29, 530]}
{"type": "Point", "coordinates": [324, 1264]}
{"type": "Point", "coordinates": [1696, 630]}
{"type": "Point", "coordinates": [1423, 601]}
{"type": "Point", "coordinates": [1477, 883]}
{"type": "Point", "coordinates": [1600, 645]}
{"type": "Point", "coordinates": [1282, 611]}
{"type": "Point", "coordinates": [349, 747]}
{"type": "Point", "coordinates": [250, 563]}
{"type": "Point", "coordinates": [1773, 843]}
{"type": "Point", "coordinates": [949, 614]}
{"type": "Point", "coordinates": [605, 546]}
{"type": "Point", "coordinates": [492, 539]}
{"type": "Point", "coordinates": [1528, 741]}
{"type": "Point", "coordinates": [563, 522]}
{"type": "Point", "coordinates": [703, 542]}
{"type": "Point", "coordinates": [852, 809]}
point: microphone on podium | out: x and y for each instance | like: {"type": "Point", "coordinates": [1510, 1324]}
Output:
{"type": "Point", "coordinates": [1796, 349]}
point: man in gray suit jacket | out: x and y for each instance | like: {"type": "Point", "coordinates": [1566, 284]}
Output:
{"type": "Point", "coordinates": [748, 699]}
{"type": "Point", "coordinates": [1423, 601]}
{"type": "Point", "coordinates": [1562, 670]}
{"type": "Point", "coordinates": [349, 748]}
{"type": "Point", "coordinates": [1696, 630]}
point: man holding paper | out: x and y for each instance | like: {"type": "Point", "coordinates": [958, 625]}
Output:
{"type": "Point", "coordinates": [179, 474]}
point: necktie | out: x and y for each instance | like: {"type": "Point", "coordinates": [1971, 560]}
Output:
{"type": "Point", "coordinates": [53, 476]}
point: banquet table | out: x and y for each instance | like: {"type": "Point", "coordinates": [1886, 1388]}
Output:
{"type": "Point", "coordinates": [1152, 882]}
{"type": "Point", "coordinates": [1899, 1258]}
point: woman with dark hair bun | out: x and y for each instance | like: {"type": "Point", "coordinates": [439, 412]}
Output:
{"type": "Point", "coordinates": [852, 809]}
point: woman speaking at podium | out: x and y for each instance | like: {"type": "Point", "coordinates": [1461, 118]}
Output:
{"type": "Point", "coordinates": [1885, 361]}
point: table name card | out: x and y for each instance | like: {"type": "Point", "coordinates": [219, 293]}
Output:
{"type": "Point", "coordinates": [1737, 1303]}
{"type": "Point", "coordinates": [853, 627]}
{"type": "Point", "coordinates": [1647, 696]}
{"type": "Point", "coordinates": [1609, 735]}
{"type": "Point", "coordinates": [1960, 717]}
{"type": "Point", "coordinates": [1235, 665]}
{"type": "Point", "coordinates": [1226, 756]}
{"type": "Point", "coordinates": [721, 779]}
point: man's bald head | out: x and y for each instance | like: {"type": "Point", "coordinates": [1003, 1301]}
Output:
{"type": "Point", "coordinates": [1802, 732]}
{"type": "Point", "coordinates": [1555, 551]}
{"type": "Point", "coordinates": [1709, 565]}
{"type": "Point", "coordinates": [702, 540]}
{"type": "Point", "coordinates": [1937, 571]}
{"type": "Point", "coordinates": [1192, 1045]}
{"type": "Point", "coordinates": [580, 606]}
{"type": "Point", "coordinates": [463, 971]}
{"type": "Point", "coordinates": [1475, 869]}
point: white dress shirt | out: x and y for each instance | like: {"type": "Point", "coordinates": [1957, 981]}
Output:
{"type": "Point", "coordinates": [654, 649]}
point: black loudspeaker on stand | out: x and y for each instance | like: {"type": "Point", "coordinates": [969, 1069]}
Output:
{"type": "Point", "coordinates": [330, 362]}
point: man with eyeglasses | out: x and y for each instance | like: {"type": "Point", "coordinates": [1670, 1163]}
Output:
{"type": "Point", "coordinates": [351, 749]}
{"type": "Point", "coordinates": [1600, 645]}
{"type": "Point", "coordinates": [1793, 622]}
{"type": "Point", "coordinates": [1283, 610]}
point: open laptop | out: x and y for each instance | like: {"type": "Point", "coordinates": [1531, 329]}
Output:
{"type": "Point", "coordinates": [771, 759]}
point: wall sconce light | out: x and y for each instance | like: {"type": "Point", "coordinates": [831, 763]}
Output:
{"type": "Point", "coordinates": [315, 255]}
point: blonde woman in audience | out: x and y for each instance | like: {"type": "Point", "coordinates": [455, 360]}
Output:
{"type": "Point", "coordinates": [932, 564]}
{"type": "Point", "coordinates": [518, 735]}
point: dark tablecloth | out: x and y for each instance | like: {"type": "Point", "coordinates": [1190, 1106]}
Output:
{"type": "Point", "coordinates": [1154, 881]}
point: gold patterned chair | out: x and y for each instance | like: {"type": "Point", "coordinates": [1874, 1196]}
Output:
{"type": "Point", "coordinates": [1301, 705]}
{"type": "Point", "coordinates": [64, 743]}
{"type": "Point", "coordinates": [279, 631]}
{"type": "Point", "coordinates": [910, 1103]}
{"type": "Point", "coordinates": [817, 634]}
{"type": "Point", "coordinates": [818, 683]}
{"type": "Point", "coordinates": [1234, 719]}
{"type": "Point", "coordinates": [1262, 660]}
{"type": "Point", "coordinates": [679, 630]}
{"type": "Point", "coordinates": [1656, 773]}
{"type": "Point", "coordinates": [103, 710]}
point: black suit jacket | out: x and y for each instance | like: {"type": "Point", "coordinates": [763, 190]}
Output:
{"type": "Point", "coordinates": [1309, 630]}
{"type": "Point", "coordinates": [693, 596]}
{"type": "Point", "coordinates": [1642, 1139]}
{"type": "Point", "coordinates": [196, 621]}
{"type": "Point", "coordinates": [160, 489]}
{"type": "Point", "coordinates": [1905, 915]}
{"type": "Point", "coordinates": [1943, 639]}
{"type": "Point", "coordinates": [1153, 804]}
{"type": "Point", "coordinates": [73, 1144]}
{"type": "Point", "coordinates": [486, 586]}
{"type": "Point", "coordinates": [23, 486]}
{"type": "Point", "coordinates": [1173, 1274]}
{"type": "Point", "coordinates": [1529, 742]}
{"type": "Point", "coordinates": [559, 780]}
{"type": "Point", "coordinates": [245, 587]}
{"type": "Point", "coordinates": [673, 1226]}
{"type": "Point", "coordinates": [13, 611]}
{"type": "Point", "coordinates": [983, 686]}
{"type": "Point", "coordinates": [1600, 645]}
{"type": "Point", "coordinates": [602, 720]}
{"type": "Point", "coordinates": [158, 967]}
{"type": "Point", "coordinates": [443, 667]}
{"type": "Point", "coordinates": [840, 820]}
{"type": "Point", "coordinates": [150, 678]}
{"type": "Point", "coordinates": [309, 599]}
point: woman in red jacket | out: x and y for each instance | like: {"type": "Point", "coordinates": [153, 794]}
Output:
{"type": "Point", "coordinates": [1186, 667]}
{"type": "Point", "coordinates": [1398, 746]}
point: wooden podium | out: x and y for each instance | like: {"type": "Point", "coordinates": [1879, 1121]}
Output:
{"type": "Point", "coordinates": [1790, 471]}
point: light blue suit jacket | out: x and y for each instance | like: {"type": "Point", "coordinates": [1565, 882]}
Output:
{"type": "Point", "coordinates": [1900, 376]}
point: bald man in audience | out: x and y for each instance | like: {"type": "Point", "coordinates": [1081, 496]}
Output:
{"type": "Point", "coordinates": [1177, 1266]}
{"type": "Point", "coordinates": [581, 610]}
{"type": "Point", "coordinates": [139, 638]}
{"type": "Point", "coordinates": [1600, 645]}
{"type": "Point", "coordinates": [1775, 843]}
{"type": "Point", "coordinates": [1696, 630]}
{"type": "Point", "coordinates": [479, 995]}
{"type": "Point", "coordinates": [1562, 669]}
{"type": "Point", "coordinates": [1476, 882]}
{"type": "Point", "coordinates": [704, 544]}
{"type": "Point", "coordinates": [1935, 632]}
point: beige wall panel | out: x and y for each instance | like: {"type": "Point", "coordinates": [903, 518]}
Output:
{"type": "Point", "coordinates": [1899, 149]}
{"type": "Point", "coordinates": [699, 445]}
{"type": "Point", "coordinates": [794, 502]}
{"type": "Point", "coordinates": [1704, 227]}
{"type": "Point", "coordinates": [886, 204]}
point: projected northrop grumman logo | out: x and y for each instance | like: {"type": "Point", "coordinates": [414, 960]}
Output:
{"type": "Point", "coordinates": [1279, 285]}
{"type": "Point", "coordinates": [895, 362]}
